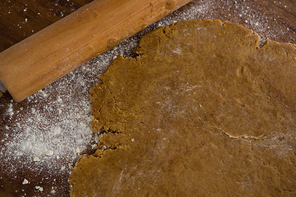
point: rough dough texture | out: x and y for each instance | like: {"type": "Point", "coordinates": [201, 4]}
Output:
{"type": "Point", "coordinates": [202, 111]}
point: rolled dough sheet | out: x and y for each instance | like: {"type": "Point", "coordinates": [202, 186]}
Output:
{"type": "Point", "coordinates": [201, 111]}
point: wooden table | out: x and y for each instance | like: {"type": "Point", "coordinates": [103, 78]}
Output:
{"type": "Point", "coordinates": [42, 137]}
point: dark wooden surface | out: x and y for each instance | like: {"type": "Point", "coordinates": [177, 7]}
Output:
{"type": "Point", "coordinates": [21, 18]}
{"type": "Point", "coordinates": [271, 19]}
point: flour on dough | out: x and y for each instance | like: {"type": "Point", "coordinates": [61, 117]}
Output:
{"type": "Point", "coordinates": [201, 111]}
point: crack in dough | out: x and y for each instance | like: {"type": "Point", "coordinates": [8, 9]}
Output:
{"type": "Point", "coordinates": [201, 111]}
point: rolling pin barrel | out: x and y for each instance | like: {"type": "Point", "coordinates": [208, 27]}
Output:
{"type": "Point", "coordinates": [55, 51]}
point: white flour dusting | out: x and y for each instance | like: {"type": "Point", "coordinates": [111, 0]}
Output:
{"type": "Point", "coordinates": [63, 132]}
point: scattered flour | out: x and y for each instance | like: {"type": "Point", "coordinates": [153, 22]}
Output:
{"type": "Point", "coordinates": [47, 133]}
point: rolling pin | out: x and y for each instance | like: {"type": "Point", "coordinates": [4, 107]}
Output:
{"type": "Point", "coordinates": [58, 49]}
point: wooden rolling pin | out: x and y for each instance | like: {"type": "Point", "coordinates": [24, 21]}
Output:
{"type": "Point", "coordinates": [58, 49]}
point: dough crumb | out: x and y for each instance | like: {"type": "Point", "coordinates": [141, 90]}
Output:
{"type": "Point", "coordinates": [36, 159]}
{"type": "Point", "coordinates": [94, 146]}
{"type": "Point", "coordinates": [25, 182]}
{"type": "Point", "coordinates": [49, 153]}
{"type": "Point", "coordinates": [39, 188]}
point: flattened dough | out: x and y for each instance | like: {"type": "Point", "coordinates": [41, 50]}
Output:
{"type": "Point", "coordinates": [202, 111]}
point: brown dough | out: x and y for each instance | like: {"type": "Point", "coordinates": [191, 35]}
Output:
{"type": "Point", "coordinates": [202, 111]}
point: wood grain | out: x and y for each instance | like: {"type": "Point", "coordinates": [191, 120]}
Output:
{"type": "Point", "coordinates": [21, 19]}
